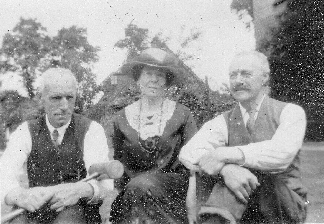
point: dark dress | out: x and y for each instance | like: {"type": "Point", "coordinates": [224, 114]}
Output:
{"type": "Point", "coordinates": [154, 184]}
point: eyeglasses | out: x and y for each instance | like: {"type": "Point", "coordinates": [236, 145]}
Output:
{"type": "Point", "coordinates": [243, 73]}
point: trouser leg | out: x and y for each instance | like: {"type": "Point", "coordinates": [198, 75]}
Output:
{"type": "Point", "coordinates": [71, 215]}
{"type": "Point", "coordinates": [22, 219]}
{"type": "Point", "coordinates": [217, 202]}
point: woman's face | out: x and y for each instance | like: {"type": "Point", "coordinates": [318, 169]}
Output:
{"type": "Point", "coordinates": [152, 82]}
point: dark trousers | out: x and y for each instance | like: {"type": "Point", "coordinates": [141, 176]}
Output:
{"type": "Point", "coordinates": [80, 213]}
{"type": "Point", "coordinates": [152, 198]}
{"type": "Point", "coordinates": [71, 215]}
{"type": "Point", "coordinates": [276, 200]}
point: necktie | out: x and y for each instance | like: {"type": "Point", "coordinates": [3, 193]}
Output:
{"type": "Point", "coordinates": [55, 136]}
{"type": "Point", "coordinates": [251, 121]}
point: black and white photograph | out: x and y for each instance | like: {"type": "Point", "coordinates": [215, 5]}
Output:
{"type": "Point", "coordinates": [162, 112]}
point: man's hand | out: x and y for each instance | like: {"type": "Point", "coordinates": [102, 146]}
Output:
{"type": "Point", "coordinates": [29, 199]}
{"type": "Point", "coordinates": [239, 180]}
{"type": "Point", "coordinates": [211, 163]}
{"type": "Point", "coordinates": [190, 166]}
{"type": "Point", "coordinates": [69, 194]}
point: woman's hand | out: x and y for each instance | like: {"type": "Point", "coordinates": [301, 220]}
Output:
{"type": "Point", "coordinates": [240, 181]}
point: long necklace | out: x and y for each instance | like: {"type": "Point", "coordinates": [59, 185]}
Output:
{"type": "Point", "coordinates": [150, 144]}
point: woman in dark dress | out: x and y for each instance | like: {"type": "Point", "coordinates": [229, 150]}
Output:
{"type": "Point", "coordinates": [147, 138]}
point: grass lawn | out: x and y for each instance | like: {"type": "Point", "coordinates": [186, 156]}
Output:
{"type": "Point", "coordinates": [312, 157]}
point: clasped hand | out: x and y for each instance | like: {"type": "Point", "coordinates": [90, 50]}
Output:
{"type": "Point", "coordinates": [58, 196]}
{"type": "Point", "coordinates": [67, 195]}
{"type": "Point", "coordinates": [238, 179]}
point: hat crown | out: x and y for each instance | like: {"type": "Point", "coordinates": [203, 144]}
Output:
{"type": "Point", "coordinates": [157, 57]}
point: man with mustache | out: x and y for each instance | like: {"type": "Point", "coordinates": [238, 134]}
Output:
{"type": "Point", "coordinates": [58, 149]}
{"type": "Point", "coordinates": [248, 157]}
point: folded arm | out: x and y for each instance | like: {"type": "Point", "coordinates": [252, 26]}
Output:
{"type": "Point", "coordinates": [271, 155]}
{"type": "Point", "coordinates": [276, 154]}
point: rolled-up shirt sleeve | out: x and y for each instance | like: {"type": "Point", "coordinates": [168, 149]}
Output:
{"type": "Point", "coordinates": [210, 136]}
{"type": "Point", "coordinates": [13, 160]}
{"type": "Point", "coordinates": [273, 155]}
{"type": "Point", "coordinates": [277, 153]}
{"type": "Point", "coordinates": [96, 151]}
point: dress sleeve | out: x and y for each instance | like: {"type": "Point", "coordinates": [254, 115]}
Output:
{"type": "Point", "coordinates": [117, 139]}
{"type": "Point", "coordinates": [190, 127]}
{"type": "Point", "coordinates": [117, 142]}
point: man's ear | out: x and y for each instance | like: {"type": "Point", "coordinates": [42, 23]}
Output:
{"type": "Point", "coordinates": [266, 79]}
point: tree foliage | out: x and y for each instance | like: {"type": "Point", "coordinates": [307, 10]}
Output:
{"type": "Point", "coordinates": [13, 110]}
{"type": "Point", "coordinates": [296, 54]}
{"type": "Point", "coordinates": [241, 5]}
{"type": "Point", "coordinates": [10, 101]}
{"type": "Point", "coordinates": [10, 114]}
{"type": "Point", "coordinates": [242, 8]}
{"type": "Point", "coordinates": [74, 52]}
{"type": "Point", "coordinates": [26, 47]}
{"type": "Point", "coordinates": [136, 40]}
{"type": "Point", "coordinates": [29, 50]}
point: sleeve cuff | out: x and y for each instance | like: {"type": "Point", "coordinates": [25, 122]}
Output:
{"type": "Point", "coordinates": [95, 197]}
{"type": "Point", "coordinates": [243, 159]}
{"type": "Point", "coordinates": [248, 156]}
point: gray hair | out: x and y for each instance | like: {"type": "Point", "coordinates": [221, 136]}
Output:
{"type": "Point", "coordinates": [263, 60]}
{"type": "Point", "coordinates": [56, 75]}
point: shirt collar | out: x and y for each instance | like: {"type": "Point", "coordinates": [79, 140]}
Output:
{"type": "Point", "coordinates": [61, 130]}
{"type": "Point", "coordinates": [244, 111]}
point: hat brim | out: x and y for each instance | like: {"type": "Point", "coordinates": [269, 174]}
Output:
{"type": "Point", "coordinates": [127, 69]}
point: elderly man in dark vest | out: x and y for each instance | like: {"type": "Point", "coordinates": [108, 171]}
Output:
{"type": "Point", "coordinates": [57, 149]}
{"type": "Point", "coordinates": [245, 162]}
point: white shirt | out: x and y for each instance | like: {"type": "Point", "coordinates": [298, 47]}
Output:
{"type": "Point", "coordinates": [60, 130]}
{"type": "Point", "coordinates": [275, 154]}
{"type": "Point", "coordinates": [245, 113]}
{"type": "Point", "coordinates": [14, 159]}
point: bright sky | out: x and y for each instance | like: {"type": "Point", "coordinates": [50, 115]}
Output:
{"type": "Point", "coordinates": [222, 33]}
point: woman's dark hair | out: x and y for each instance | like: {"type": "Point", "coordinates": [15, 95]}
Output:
{"type": "Point", "coordinates": [137, 70]}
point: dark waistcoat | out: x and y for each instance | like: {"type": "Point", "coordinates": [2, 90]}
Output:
{"type": "Point", "coordinates": [49, 165]}
{"type": "Point", "coordinates": [292, 201]}
{"type": "Point", "coordinates": [266, 125]}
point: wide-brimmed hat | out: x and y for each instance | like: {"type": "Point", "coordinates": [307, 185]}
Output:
{"type": "Point", "coordinates": [153, 57]}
